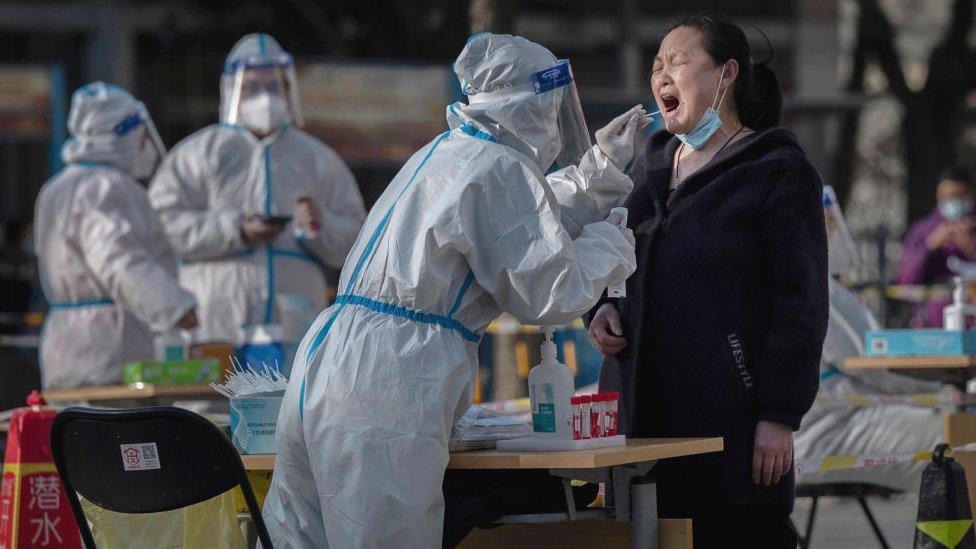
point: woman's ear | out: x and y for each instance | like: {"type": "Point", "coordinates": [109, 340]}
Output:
{"type": "Point", "coordinates": [730, 72]}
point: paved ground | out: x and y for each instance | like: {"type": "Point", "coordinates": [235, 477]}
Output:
{"type": "Point", "coordinates": [840, 523]}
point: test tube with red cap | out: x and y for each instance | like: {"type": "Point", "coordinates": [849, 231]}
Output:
{"type": "Point", "coordinates": [613, 417]}
{"type": "Point", "coordinates": [577, 404]}
{"type": "Point", "coordinates": [586, 402]}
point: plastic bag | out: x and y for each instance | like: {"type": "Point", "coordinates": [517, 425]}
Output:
{"type": "Point", "coordinates": [208, 524]}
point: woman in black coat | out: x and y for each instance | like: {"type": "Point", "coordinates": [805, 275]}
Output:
{"type": "Point", "coordinates": [721, 330]}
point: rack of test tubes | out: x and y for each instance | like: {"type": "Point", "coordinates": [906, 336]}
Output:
{"type": "Point", "coordinates": [595, 416]}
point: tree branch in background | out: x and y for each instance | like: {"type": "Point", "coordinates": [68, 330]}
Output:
{"type": "Point", "coordinates": [846, 157]}
{"type": "Point", "coordinates": [880, 38]}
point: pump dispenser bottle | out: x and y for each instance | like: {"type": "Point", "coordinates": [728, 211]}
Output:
{"type": "Point", "coordinates": [958, 315]}
{"type": "Point", "coordinates": [550, 390]}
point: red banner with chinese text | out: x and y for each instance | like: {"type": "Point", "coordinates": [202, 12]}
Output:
{"type": "Point", "coordinates": [34, 511]}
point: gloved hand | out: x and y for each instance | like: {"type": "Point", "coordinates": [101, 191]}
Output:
{"type": "Point", "coordinates": [617, 138]}
{"type": "Point", "coordinates": [189, 320]}
{"type": "Point", "coordinates": [308, 218]}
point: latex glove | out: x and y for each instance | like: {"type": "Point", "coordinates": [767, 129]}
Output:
{"type": "Point", "coordinates": [617, 138]}
{"type": "Point", "coordinates": [189, 320]}
{"type": "Point", "coordinates": [308, 218]}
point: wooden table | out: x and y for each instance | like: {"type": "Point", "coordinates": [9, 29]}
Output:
{"type": "Point", "coordinates": [955, 370]}
{"type": "Point", "coordinates": [636, 451]}
{"type": "Point", "coordinates": [137, 392]}
{"type": "Point", "coordinates": [617, 467]}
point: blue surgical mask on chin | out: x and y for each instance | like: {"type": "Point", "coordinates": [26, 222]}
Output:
{"type": "Point", "coordinates": [709, 124]}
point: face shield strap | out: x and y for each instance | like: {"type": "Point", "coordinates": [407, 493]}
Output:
{"type": "Point", "coordinates": [280, 61]}
{"type": "Point", "coordinates": [557, 76]}
{"type": "Point", "coordinates": [125, 127]}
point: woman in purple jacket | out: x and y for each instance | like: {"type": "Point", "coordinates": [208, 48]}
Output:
{"type": "Point", "coordinates": [946, 232]}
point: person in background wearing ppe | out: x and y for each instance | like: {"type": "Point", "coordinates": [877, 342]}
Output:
{"type": "Point", "coordinates": [469, 228]}
{"type": "Point", "coordinates": [226, 193]}
{"type": "Point", "coordinates": [106, 268]}
{"type": "Point", "coordinates": [931, 241]}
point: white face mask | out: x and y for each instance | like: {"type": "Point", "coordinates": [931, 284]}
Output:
{"type": "Point", "coordinates": [955, 208]}
{"type": "Point", "coordinates": [146, 162]}
{"type": "Point", "coordinates": [263, 113]}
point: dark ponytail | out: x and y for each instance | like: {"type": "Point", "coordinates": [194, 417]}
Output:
{"type": "Point", "coordinates": [758, 97]}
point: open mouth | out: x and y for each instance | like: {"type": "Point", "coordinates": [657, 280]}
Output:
{"type": "Point", "coordinates": [670, 103]}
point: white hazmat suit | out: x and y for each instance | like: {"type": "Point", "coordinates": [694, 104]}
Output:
{"type": "Point", "coordinates": [469, 228]}
{"type": "Point", "coordinates": [213, 178]}
{"type": "Point", "coordinates": [106, 268]}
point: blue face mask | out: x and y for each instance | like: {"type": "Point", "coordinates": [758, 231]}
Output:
{"type": "Point", "coordinates": [709, 124]}
{"type": "Point", "coordinates": [955, 208]}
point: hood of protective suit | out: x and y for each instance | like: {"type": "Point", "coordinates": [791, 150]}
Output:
{"type": "Point", "coordinates": [250, 46]}
{"type": "Point", "coordinates": [496, 72]}
{"type": "Point", "coordinates": [102, 127]}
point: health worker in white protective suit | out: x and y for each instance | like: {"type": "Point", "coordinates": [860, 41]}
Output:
{"type": "Point", "coordinates": [106, 269]}
{"type": "Point", "coordinates": [253, 205]}
{"type": "Point", "coordinates": [469, 228]}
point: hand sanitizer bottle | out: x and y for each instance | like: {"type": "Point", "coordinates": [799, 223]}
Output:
{"type": "Point", "coordinates": [550, 390]}
{"type": "Point", "coordinates": [958, 315]}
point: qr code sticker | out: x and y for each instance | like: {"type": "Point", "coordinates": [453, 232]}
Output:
{"type": "Point", "coordinates": [140, 456]}
{"type": "Point", "coordinates": [879, 345]}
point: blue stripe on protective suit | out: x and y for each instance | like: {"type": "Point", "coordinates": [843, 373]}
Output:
{"type": "Point", "coordinates": [349, 299]}
{"type": "Point", "coordinates": [475, 132]}
{"type": "Point", "coordinates": [269, 306]}
{"type": "Point", "coordinates": [100, 302]}
{"type": "Point", "coordinates": [386, 218]}
{"type": "Point", "coordinates": [460, 297]}
{"type": "Point", "coordinates": [409, 314]}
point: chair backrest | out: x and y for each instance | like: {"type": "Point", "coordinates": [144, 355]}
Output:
{"type": "Point", "coordinates": [146, 460]}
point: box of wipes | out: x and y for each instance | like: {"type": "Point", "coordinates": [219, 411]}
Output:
{"type": "Point", "coordinates": [253, 422]}
{"type": "Point", "coordinates": [919, 342]}
{"type": "Point", "coordinates": [254, 394]}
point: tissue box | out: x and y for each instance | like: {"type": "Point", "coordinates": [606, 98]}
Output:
{"type": "Point", "coordinates": [919, 343]}
{"type": "Point", "coordinates": [253, 422]}
{"type": "Point", "coordinates": [173, 372]}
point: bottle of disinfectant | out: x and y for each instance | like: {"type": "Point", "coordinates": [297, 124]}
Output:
{"type": "Point", "coordinates": [959, 315]}
{"type": "Point", "coordinates": [550, 390]}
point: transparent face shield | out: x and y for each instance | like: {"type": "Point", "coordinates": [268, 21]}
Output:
{"type": "Point", "coordinates": [573, 133]}
{"type": "Point", "coordinates": [842, 254]}
{"type": "Point", "coordinates": [271, 74]}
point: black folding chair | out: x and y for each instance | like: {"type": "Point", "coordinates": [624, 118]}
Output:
{"type": "Point", "coordinates": [145, 460]}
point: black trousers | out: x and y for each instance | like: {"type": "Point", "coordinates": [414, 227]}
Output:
{"type": "Point", "coordinates": [753, 526]}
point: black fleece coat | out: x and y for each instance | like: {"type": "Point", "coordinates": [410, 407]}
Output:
{"type": "Point", "coordinates": [726, 315]}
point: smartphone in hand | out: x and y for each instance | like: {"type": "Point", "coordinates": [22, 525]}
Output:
{"type": "Point", "coordinates": [277, 220]}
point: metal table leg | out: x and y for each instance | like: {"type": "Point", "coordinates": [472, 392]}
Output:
{"type": "Point", "coordinates": [644, 512]}
{"type": "Point", "coordinates": [634, 496]}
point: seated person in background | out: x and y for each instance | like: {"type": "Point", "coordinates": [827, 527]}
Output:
{"type": "Point", "coordinates": [946, 232]}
